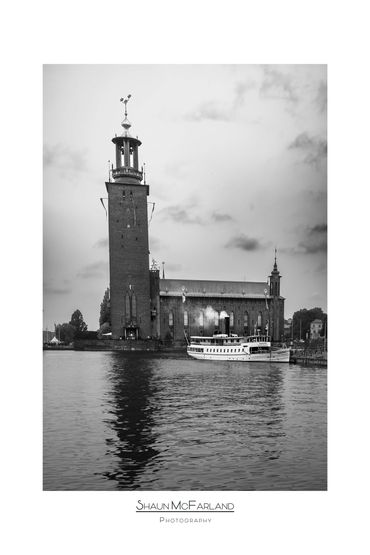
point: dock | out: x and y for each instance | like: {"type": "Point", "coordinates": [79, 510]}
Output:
{"type": "Point", "coordinates": [307, 358]}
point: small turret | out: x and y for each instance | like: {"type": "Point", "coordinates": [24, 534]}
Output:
{"type": "Point", "coordinates": [275, 278]}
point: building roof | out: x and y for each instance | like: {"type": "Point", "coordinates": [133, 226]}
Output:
{"type": "Point", "coordinates": [317, 321]}
{"type": "Point", "coordinates": [209, 288]}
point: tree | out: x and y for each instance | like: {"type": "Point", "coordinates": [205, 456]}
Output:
{"type": "Point", "coordinates": [65, 332]}
{"type": "Point", "coordinates": [77, 321]}
{"type": "Point", "coordinates": [303, 318]}
{"type": "Point", "coordinates": [105, 309]}
{"type": "Point", "coordinates": [104, 328]}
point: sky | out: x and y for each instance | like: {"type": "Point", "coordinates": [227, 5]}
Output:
{"type": "Point", "coordinates": [236, 161]}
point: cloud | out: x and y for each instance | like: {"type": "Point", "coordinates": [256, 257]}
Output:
{"type": "Point", "coordinates": [244, 243]}
{"type": "Point", "coordinates": [96, 269]}
{"type": "Point", "coordinates": [274, 85]}
{"type": "Point", "coordinates": [313, 148]}
{"type": "Point", "coordinates": [277, 85]}
{"type": "Point", "coordinates": [64, 158]}
{"type": "Point", "coordinates": [209, 111]}
{"type": "Point", "coordinates": [312, 248]}
{"type": "Point", "coordinates": [314, 241]}
{"type": "Point", "coordinates": [181, 215]}
{"type": "Point", "coordinates": [322, 97]}
{"type": "Point", "coordinates": [102, 243]}
{"type": "Point", "coordinates": [217, 217]}
{"type": "Point", "coordinates": [319, 228]}
{"type": "Point", "coordinates": [51, 289]}
{"type": "Point", "coordinates": [216, 111]}
{"type": "Point", "coordinates": [240, 93]}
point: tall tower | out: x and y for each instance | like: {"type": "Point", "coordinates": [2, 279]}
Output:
{"type": "Point", "coordinates": [277, 304]}
{"type": "Point", "coordinates": [128, 240]}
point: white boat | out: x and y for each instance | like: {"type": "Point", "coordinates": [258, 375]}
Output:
{"type": "Point", "coordinates": [254, 348]}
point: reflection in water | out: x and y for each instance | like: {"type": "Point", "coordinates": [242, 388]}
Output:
{"type": "Point", "coordinates": [132, 406]}
{"type": "Point", "coordinates": [265, 427]}
{"type": "Point", "coordinates": [167, 422]}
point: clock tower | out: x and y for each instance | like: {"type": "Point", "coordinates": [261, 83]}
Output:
{"type": "Point", "coordinates": [128, 240]}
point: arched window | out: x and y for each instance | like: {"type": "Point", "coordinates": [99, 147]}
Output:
{"type": "Point", "coordinates": [128, 309]}
{"type": "Point", "coordinates": [217, 319]}
{"type": "Point", "coordinates": [133, 300]}
{"type": "Point", "coordinates": [201, 319]}
{"type": "Point", "coordinates": [170, 319]}
{"type": "Point", "coordinates": [231, 314]}
{"type": "Point", "coordinates": [259, 320]}
{"type": "Point", "coordinates": [246, 321]}
{"type": "Point", "coordinates": [186, 319]}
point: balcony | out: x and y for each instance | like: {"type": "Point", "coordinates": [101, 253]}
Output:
{"type": "Point", "coordinates": [127, 172]}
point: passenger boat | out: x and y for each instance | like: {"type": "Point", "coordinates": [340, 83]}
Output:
{"type": "Point", "coordinates": [254, 348]}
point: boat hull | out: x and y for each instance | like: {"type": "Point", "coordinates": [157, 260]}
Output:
{"type": "Point", "coordinates": [278, 355]}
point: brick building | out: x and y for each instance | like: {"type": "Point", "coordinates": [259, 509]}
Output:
{"type": "Point", "coordinates": [142, 304]}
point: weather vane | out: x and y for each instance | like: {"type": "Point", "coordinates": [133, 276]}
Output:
{"type": "Point", "coordinates": [125, 100]}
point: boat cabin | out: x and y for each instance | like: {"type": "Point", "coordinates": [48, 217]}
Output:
{"type": "Point", "coordinates": [258, 339]}
{"type": "Point", "coordinates": [220, 339]}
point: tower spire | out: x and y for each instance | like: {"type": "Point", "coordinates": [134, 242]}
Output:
{"type": "Point", "coordinates": [125, 100]}
{"type": "Point", "coordinates": [275, 264]}
{"type": "Point", "coordinates": [125, 123]}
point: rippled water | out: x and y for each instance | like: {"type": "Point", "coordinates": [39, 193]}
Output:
{"type": "Point", "coordinates": [166, 422]}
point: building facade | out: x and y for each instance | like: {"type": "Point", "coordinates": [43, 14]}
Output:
{"type": "Point", "coordinates": [145, 306]}
{"type": "Point", "coordinates": [316, 327]}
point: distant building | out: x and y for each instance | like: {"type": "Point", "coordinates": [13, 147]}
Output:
{"type": "Point", "coordinates": [141, 304]}
{"type": "Point", "coordinates": [316, 327]}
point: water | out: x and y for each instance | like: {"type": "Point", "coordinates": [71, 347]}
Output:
{"type": "Point", "coordinates": [167, 422]}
